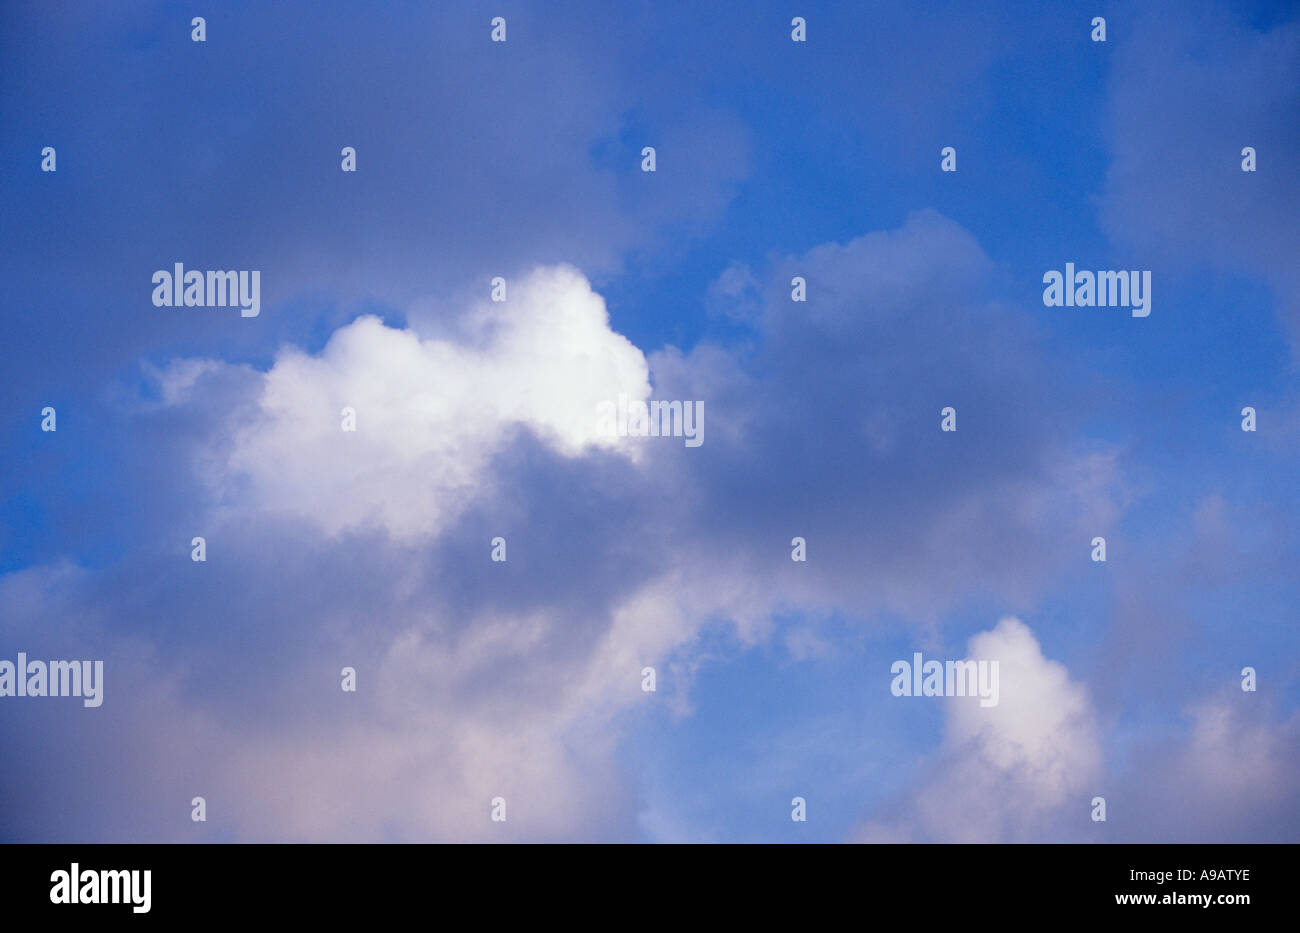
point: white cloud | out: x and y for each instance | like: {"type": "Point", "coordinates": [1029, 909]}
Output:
{"type": "Point", "coordinates": [1004, 771]}
{"type": "Point", "coordinates": [430, 414]}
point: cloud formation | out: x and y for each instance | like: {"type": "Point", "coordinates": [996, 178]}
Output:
{"type": "Point", "coordinates": [1004, 772]}
{"type": "Point", "coordinates": [429, 415]}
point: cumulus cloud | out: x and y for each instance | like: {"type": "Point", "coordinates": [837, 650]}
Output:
{"type": "Point", "coordinates": [430, 414]}
{"type": "Point", "coordinates": [1028, 769]}
{"type": "Point", "coordinates": [1004, 772]}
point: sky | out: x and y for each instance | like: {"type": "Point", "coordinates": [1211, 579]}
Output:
{"type": "Point", "coordinates": [523, 679]}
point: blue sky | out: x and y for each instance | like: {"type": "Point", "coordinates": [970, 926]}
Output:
{"type": "Point", "coordinates": [522, 679]}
